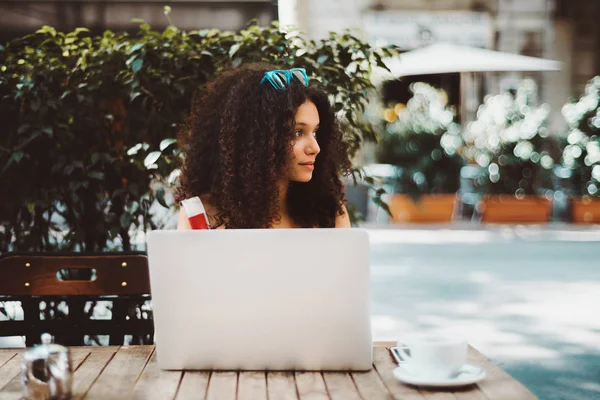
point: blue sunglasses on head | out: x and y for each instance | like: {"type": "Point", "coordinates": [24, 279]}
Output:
{"type": "Point", "coordinates": [281, 78]}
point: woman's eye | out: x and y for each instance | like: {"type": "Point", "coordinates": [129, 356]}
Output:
{"type": "Point", "coordinates": [315, 134]}
{"type": "Point", "coordinates": [298, 134]}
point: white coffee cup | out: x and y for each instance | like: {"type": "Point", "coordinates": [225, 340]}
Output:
{"type": "Point", "coordinates": [434, 356]}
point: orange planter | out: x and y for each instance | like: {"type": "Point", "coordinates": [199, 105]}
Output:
{"type": "Point", "coordinates": [432, 208]}
{"type": "Point", "coordinates": [506, 209]}
{"type": "Point", "coordinates": [586, 210]}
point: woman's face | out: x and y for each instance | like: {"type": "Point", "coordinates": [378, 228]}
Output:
{"type": "Point", "coordinates": [305, 146]}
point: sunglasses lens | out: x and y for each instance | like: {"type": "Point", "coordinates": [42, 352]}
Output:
{"type": "Point", "coordinates": [279, 80]}
{"type": "Point", "coordinates": [301, 77]}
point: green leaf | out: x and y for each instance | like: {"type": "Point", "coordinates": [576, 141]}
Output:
{"type": "Point", "coordinates": [23, 128]}
{"type": "Point", "coordinates": [131, 59]}
{"type": "Point", "coordinates": [135, 47]}
{"type": "Point", "coordinates": [77, 31]}
{"type": "Point", "coordinates": [137, 21]}
{"type": "Point", "coordinates": [134, 207]}
{"type": "Point", "coordinates": [160, 197]}
{"type": "Point", "coordinates": [137, 65]}
{"type": "Point", "coordinates": [17, 156]}
{"type": "Point", "coordinates": [151, 158]}
{"type": "Point", "coordinates": [125, 220]}
{"type": "Point", "coordinates": [322, 59]}
{"type": "Point", "coordinates": [133, 96]}
{"type": "Point", "coordinates": [47, 29]}
{"type": "Point", "coordinates": [48, 130]}
{"type": "Point", "coordinates": [233, 49]}
{"type": "Point", "coordinates": [134, 149]}
{"type": "Point", "coordinates": [96, 175]}
{"type": "Point", "coordinates": [170, 32]}
{"type": "Point", "coordinates": [166, 143]}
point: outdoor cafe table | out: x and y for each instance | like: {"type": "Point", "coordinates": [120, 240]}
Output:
{"type": "Point", "coordinates": [131, 372]}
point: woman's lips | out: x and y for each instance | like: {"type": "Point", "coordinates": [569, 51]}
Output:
{"type": "Point", "coordinates": [310, 166]}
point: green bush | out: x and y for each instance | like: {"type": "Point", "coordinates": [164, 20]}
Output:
{"type": "Point", "coordinates": [581, 154]}
{"type": "Point", "coordinates": [510, 141]}
{"type": "Point", "coordinates": [422, 139]}
{"type": "Point", "coordinates": [87, 123]}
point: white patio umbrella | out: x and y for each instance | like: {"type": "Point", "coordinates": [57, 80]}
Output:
{"type": "Point", "coordinates": [442, 58]}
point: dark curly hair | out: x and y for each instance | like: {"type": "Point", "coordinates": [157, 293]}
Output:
{"type": "Point", "coordinates": [237, 144]}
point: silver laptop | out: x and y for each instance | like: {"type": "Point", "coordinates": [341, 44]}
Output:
{"type": "Point", "coordinates": [267, 299]}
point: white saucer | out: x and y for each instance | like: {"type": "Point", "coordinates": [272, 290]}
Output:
{"type": "Point", "coordinates": [468, 375]}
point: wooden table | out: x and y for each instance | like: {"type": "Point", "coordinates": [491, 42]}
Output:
{"type": "Point", "coordinates": [132, 372]}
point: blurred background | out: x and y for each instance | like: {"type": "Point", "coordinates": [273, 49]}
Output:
{"type": "Point", "coordinates": [477, 149]}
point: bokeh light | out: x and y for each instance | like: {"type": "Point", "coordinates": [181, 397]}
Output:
{"type": "Point", "coordinates": [582, 153]}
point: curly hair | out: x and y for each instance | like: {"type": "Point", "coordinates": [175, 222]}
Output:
{"type": "Point", "coordinates": [237, 144]}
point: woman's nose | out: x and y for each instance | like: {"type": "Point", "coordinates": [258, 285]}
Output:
{"type": "Point", "coordinates": [312, 147]}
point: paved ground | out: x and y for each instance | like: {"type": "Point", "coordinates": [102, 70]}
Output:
{"type": "Point", "coordinates": [527, 298]}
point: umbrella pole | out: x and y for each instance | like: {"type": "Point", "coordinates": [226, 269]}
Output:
{"type": "Point", "coordinates": [463, 95]}
{"type": "Point", "coordinates": [469, 97]}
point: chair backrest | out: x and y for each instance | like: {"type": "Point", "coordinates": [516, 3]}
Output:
{"type": "Point", "coordinates": [77, 279]}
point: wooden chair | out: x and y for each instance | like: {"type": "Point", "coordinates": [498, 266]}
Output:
{"type": "Point", "coordinates": [32, 278]}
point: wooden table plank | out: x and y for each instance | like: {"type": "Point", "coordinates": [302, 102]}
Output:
{"type": "Point", "coordinates": [385, 365]}
{"type": "Point", "coordinates": [10, 369]}
{"type": "Point", "coordinates": [470, 394]}
{"type": "Point", "coordinates": [194, 385]}
{"type": "Point", "coordinates": [7, 354]}
{"type": "Point", "coordinates": [12, 388]}
{"type": "Point", "coordinates": [112, 372]}
{"type": "Point", "coordinates": [340, 386]}
{"type": "Point", "coordinates": [438, 394]}
{"type": "Point", "coordinates": [121, 373]}
{"type": "Point", "coordinates": [79, 355]}
{"type": "Point", "coordinates": [252, 385]}
{"type": "Point", "coordinates": [86, 374]}
{"type": "Point", "coordinates": [222, 385]}
{"type": "Point", "coordinates": [370, 386]}
{"type": "Point", "coordinates": [498, 384]}
{"type": "Point", "coordinates": [281, 385]}
{"type": "Point", "coordinates": [311, 386]}
{"type": "Point", "coordinates": [155, 383]}
{"type": "Point", "coordinates": [384, 344]}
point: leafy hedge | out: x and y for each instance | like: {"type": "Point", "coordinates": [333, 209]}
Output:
{"type": "Point", "coordinates": [581, 154]}
{"type": "Point", "coordinates": [87, 123]}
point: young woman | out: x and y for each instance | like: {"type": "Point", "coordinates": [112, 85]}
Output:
{"type": "Point", "coordinates": [263, 150]}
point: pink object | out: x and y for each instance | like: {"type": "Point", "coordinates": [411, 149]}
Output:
{"type": "Point", "coordinates": [196, 213]}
